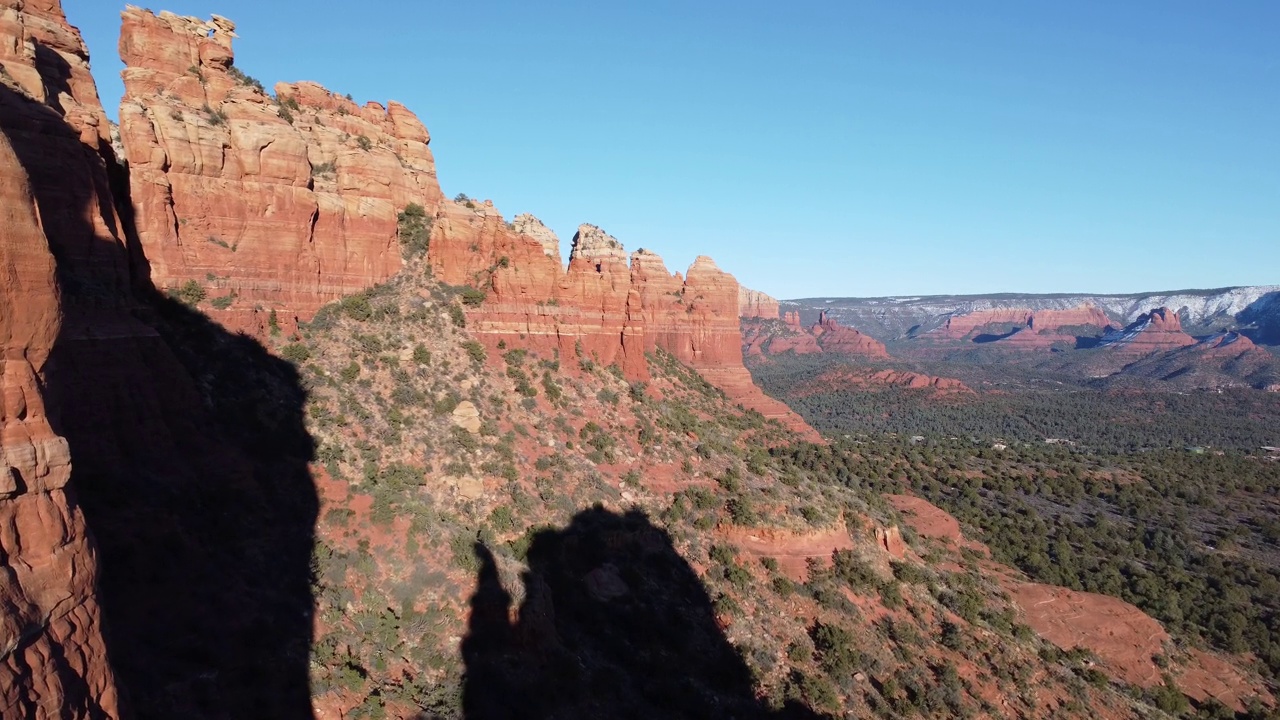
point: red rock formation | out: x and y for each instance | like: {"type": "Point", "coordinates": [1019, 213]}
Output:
{"type": "Point", "coordinates": [1083, 316]}
{"type": "Point", "coordinates": [793, 551]}
{"type": "Point", "coordinates": [958, 327]}
{"type": "Point", "coordinates": [283, 207]}
{"type": "Point", "coordinates": [53, 661]}
{"type": "Point", "coordinates": [53, 203]}
{"type": "Point", "coordinates": [753, 304]}
{"type": "Point", "coordinates": [1122, 636]}
{"type": "Point", "coordinates": [1160, 329]}
{"type": "Point", "coordinates": [836, 338]}
{"type": "Point", "coordinates": [1032, 329]}
{"type": "Point", "coordinates": [851, 377]}
{"type": "Point", "coordinates": [800, 344]}
{"type": "Point", "coordinates": [792, 318]}
{"type": "Point", "coordinates": [890, 540]}
{"type": "Point", "coordinates": [599, 308]}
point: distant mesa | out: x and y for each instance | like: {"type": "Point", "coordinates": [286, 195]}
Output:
{"type": "Point", "coordinates": [1022, 328]}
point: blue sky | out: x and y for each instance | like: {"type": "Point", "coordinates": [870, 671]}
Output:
{"type": "Point", "coordinates": [829, 148]}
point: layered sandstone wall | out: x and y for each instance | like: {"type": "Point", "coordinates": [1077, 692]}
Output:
{"type": "Point", "coordinates": [753, 304]}
{"type": "Point", "coordinates": [605, 306]}
{"type": "Point", "coordinates": [56, 213]}
{"type": "Point", "coordinates": [272, 205]}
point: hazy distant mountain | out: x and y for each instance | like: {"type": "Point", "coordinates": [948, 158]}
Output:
{"type": "Point", "coordinates": [1254, 310]}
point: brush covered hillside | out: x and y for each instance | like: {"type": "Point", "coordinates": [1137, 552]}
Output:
{"type": "Point", "coordinates": [508, 534]}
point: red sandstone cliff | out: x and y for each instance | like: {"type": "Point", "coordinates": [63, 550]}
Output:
{"type": "Point", "coordinates": [757, 305]}
{"type": "Point", "coordinates": [280, 206]}
{"type": "Point", "coordinates": [836, 338]}
{"type": "Point", "coordinates": [605, 306]}
{"type": "Point", "coordinates": [52, 203]}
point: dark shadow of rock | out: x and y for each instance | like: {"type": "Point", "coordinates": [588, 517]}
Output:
{"type": "Point", "coordinates": [615, 624]}
{"type": "Point", "coordinates": [189, 457]}
{"type": "Point", "coordinates": [1261, 320]}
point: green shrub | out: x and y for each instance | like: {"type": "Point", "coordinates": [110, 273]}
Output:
{"type": "Point", "coordinates": [475, 351]}
{"type": "Point", "coordinates": [364, 142]}
{"type": "Point", "coordinates": [473, 296]}
{"type": "Point", "coordinates": [414, 229]}
{"type": "Point", "coordinates": [457, 316]}
{"type": "Point", "coordinates": [357, 307]}
{"type": "Point", "coordinates": [296, 353]}
{"type": "Point", "coordinates": [350, 372]}
{"type": "Point", "coordinates": [191, 293]}
{"type": "Point", "coordinates": [215, 117]}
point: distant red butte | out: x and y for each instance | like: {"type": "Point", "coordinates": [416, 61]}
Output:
{"type": "Point", "coordinates": [1032, 329]}
{"type": "Point", "coordinates": [1158, 330]}
{"type": "Point", "coordinates": [847, 377]}
{"type": "Point", "coordinates": [825, 336]}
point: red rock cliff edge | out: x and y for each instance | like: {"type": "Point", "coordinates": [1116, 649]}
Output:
{"type": "Point", "coordinates": [271, 205]}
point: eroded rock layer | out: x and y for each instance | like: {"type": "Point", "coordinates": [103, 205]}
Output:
{"type": "Point", "coordinates": [267, 205]}
{"type": "Point", "coordinates": [604, 307]}
{"type": "Point", "coordinates": [757, 305]}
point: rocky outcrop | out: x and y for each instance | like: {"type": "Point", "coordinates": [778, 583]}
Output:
{"type": "Point", "coordinates": [1123, 637]}
{"type": "Point", "coordinates": [526, 224]}
{"type": "Point", "coordinates": [755, 305]}
{"type": "Point", "coordinates": [795, 552]}
{"type": "Point", "coordinates": [849, 377]}
{"type": "Point", "coordinates": [959, 327]}
{"type": "Point", "coordinates": [762, 337]}
{"type": "Point", "coordinates": [265, 205]}
{"type": "Point", "coordinates": [1158, 330]}
{"type": "Point", "coordinates": [604, 307]}
{"type": "Point", "coordinates": [836, 338]}
{"type": "Point", "coordinates": [1221, 361]}
{"type": "Point", "coordinates": [57, 214]}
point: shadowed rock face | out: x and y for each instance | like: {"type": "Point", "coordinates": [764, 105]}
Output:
{"type": "Point", "coordinates": [180, 445]}
{"type": "Point", "coordinates": [614, 624]}
{"type": "Point", "coordinates": [53, 658]}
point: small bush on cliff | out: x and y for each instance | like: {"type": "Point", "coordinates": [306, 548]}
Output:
{"type": "Point", "coordinates": [215, 117]}
{"type": "Point", "coordinates": [457, 316]}
{"type": "Point", "coordinates": [475, 351]}
{"type": "Point", "coordinates": [473, 296]}
{"type": "Point", "coordinates": [414, 228]}
{"type": "Point", "coordinates": [245, 80]}
{"type": "Point", "coordinates": [364, 142]}
{"type": "Point", "coordinates": [191, 293]}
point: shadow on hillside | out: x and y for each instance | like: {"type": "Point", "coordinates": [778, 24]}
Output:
{"type": "Point", "coordinates": [615, 624]}
{"type": "Point", "coordinates": [189, 457]}
{"type": "Point", "coordinates": [1264, 315]}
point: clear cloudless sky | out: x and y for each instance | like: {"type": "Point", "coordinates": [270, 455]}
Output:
{"type": "Point", "coordinates": [828, 148]}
